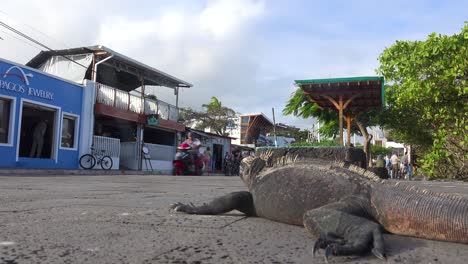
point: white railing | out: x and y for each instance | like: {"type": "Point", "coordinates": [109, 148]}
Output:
{"type": "Point", "coordinates": [151, 106]}
{"type": "Point", "coordinates": [105, 95]}
{"type": "Point", "coordinates": [111, 146]}
{"type": "Point", "coordinates": [135, 104]}
{"type": "Point", "coordinates": [161, 157]}
{"type": "Point", "coordinates": [124, 100]}
{"type": "Point", "coordinates": [173, 113]}
{"type": "Point", "coordinates": [117, 98]}
{"type": "Point", "coordinates": [108, 146]}
{"type": "Point", "coordinates": [164, 110]}
{"type": "Point", "coordinates": [128, 155]}
{"type": "Point", "coordinates": [161, 152]}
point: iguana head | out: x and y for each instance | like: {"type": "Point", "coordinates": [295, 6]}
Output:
{"type": "Point", "coordinates": [243, 172]}
{"type": "Point", "coordinates": [249, 167]}
{"type": "Point", "coordinates": [253, 165]}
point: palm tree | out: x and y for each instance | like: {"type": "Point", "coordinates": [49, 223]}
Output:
{"type": "Point", "coordinates": [216, 116]}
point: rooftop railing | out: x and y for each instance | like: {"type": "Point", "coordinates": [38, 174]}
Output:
{"type": "Point", "coordinates": [123, 100]}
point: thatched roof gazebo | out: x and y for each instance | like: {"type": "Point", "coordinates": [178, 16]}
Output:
{"type": "Point", "coordinates": [353, 94]}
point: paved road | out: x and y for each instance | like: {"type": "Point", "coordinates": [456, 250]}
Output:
{"type": "Point", "coordinates": [124, 219]}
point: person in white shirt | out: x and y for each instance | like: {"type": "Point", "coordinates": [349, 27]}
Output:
{"type": "Point", "coordinates": [38, 139]}
{"type": "Point", "coordinates": [394, 161]}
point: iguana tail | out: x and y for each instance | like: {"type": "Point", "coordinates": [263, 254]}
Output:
{"type": "Point", "coordinates": [420, 213]}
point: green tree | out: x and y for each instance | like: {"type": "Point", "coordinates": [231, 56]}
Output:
{"type": "Point", "coordinates": [215, 116]}
{"type": "Point", "coordinates": [300, 135]}
{"type": "Point", "coordinates": [427, 99]}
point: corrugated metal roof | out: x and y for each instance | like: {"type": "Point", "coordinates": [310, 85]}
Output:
{"type": "Point", "coordinates": [166, 79]}
{"type": "Point", "coordinates": [259, 114]}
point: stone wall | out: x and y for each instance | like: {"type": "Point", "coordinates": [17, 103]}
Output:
{"type": "Point", "coordinates": [348, 154]}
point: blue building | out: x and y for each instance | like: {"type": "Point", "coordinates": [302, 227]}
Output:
{"type": "Point", "coordinates": [66, 103]}
{"type": "Point", "coordinates": [39, 118]}
{"type": "Point", "coordinates": [121, 113]}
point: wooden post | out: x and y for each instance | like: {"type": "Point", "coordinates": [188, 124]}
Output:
{"type": "Point", "coordinates": [348, 127]}
{"type": "Point", "coordinates": [142, 110]}
{"type": "Point", "coordinates": [340, 112]}
{"type": "Point", "coordinates": [274, 127]}
{"type": "Point", "coordinates": [339, 106]}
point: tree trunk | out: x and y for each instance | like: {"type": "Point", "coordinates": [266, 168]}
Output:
{"type": "Point", "coordinates": [367, 139]}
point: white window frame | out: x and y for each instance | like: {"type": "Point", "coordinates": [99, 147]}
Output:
{"type": "Point", "coordinates": [77, 130]}
{"type": "Point", "coordinates": [55, 140]}
{"type": "Point", "coordinates": [12, 121]}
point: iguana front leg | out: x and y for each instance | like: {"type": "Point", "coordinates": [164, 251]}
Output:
{"type": "Point", "coordinates": [241, 201]}
{"type": "Point", "coordinates": [342, 233]}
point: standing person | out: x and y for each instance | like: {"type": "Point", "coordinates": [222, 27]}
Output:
{"type": "Point", "coordinates": [38, 139]}
{"type": "Point", "coordinates": [409, 172]}
{"type": "Point", "coordinates": [227, 164]}
{"type": "Point", "coordinates": [394, 161]}
{"type": "Point", "coordinates": [404, 164]}
{"type": "Point", "coordinates": [388, 165]}
{"type": "Point", "coordinates": [207, 158]}
{"type": "Point", "coordinates": [380, 163]}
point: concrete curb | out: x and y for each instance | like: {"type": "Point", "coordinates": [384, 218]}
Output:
{"type": "Point", "coordinates": [79, 172]}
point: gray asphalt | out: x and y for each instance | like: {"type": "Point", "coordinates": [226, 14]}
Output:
{"type": "Point", "coordinates": [125, 219]}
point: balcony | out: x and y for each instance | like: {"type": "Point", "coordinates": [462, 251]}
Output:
{"type": "Point", "coordinates": [126, 101]}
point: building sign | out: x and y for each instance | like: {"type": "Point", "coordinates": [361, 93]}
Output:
{"type": "Point", "coordinates": [152, 120]}
{"type": "Point", "coordinates": [20, 84]}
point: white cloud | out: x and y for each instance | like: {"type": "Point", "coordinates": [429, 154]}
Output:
{"type": "Point", "coordinates": [245, 52]}
{"type": "Point", "coordinates": [223, 17]}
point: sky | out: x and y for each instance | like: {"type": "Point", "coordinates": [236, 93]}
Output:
{"type": "Point", "coordinates": [247, 53]}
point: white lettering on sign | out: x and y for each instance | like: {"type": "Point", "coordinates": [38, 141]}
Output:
{"type": "Point", "coordinates": [18, 72]}
{"type": "Point", "coordinates": [11, 86]}
{"type": "Point", "coordinates": [41, 93]}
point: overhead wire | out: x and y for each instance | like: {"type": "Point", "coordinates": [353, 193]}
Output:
{"type": "Point", "coordinates": [34, 29]}
{"type": "Point", "coordinates": [3, 24]}
{"type": "Point", "coordinates": [19, 39]}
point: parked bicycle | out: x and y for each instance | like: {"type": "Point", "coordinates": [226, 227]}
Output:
{"type": "Point", "coordinates": [88, 161]}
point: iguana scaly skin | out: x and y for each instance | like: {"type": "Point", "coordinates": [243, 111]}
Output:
{"type": "Point", "coordinates": [343, 204]}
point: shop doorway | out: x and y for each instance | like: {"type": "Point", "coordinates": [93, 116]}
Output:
{"type": "Point", "coordinates": [37, 131]}
{"type": "Point", "coordinates": [218, 156]}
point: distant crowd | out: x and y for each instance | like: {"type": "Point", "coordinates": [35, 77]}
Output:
{"type": "Point", "coordinates": [232, 161]}
{"type": "Point", "coordinates": [397, 168]}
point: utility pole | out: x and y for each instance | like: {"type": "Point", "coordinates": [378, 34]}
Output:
{"type": "Point", "coordinates": [318, 133]}
{"type": "Point", "coordinates": [274, 127]}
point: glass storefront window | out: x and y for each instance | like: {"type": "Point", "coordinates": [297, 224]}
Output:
{"type": "Point", "coordinates": [5, 106]}
{"type": "Point", "coordinates": [68, 132]}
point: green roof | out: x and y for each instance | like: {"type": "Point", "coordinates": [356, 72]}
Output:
{"type": "Point", "coordinates": [344, 79]}
{"type": "Point", "coordinates": [347, 79]}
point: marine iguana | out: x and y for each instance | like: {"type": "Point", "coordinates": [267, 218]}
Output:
{"type": "Point", "coordinates": [346, 206]}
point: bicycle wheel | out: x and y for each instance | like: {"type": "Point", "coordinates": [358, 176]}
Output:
{"type": "Point", "coordinates": [87, 161]}
{"type": "Point", "coordinates": [106, 163]}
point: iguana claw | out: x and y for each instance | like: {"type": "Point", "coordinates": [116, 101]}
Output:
{"type": "Point", "coordinates": [379, 254]}
{"type": "Point", "coordinates": [319, 243]}
{"type": "Point", "coordinates": [328, 252]}
{"type": "Point", "coordinates": [177, 207]}
{"type": "Point", "coordinates": [316, 247]}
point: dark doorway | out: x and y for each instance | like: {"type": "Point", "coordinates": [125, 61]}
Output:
{"type": "Point", "coordinates": [37, 131]}
{"type": "Point", "coordinates": [218, 156]}
{"type": "Point", "coordinates": [115, 128]}
{"type": "Point", "coordinates": [157, 136]}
